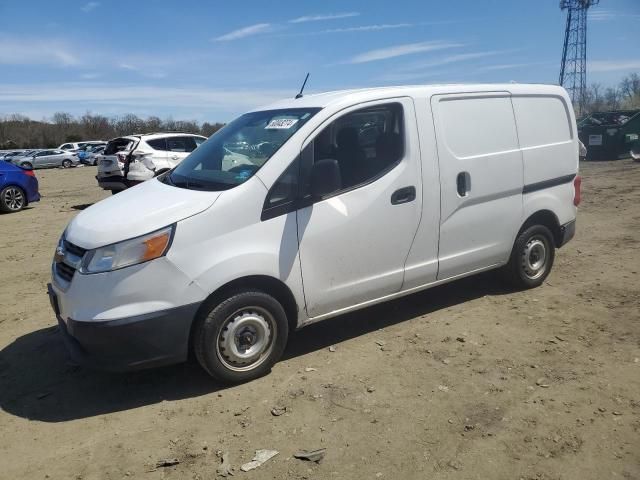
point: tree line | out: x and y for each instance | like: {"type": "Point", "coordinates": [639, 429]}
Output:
{"type": "Point", "coordinates": [19, 131]}
{"type": "Point", "coordinates": [624, 96]}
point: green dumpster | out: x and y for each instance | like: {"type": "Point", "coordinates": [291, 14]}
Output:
{"type": "Point", "coordinates": [609, 135]}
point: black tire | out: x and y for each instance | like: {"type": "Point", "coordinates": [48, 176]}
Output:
{"type": "Point", "coordinates": [533, 246]}
{"type": "Point", "coordinates": [66, 163]}
{"type": "Point", "coordinates": [12, 199]}
{"type": "Point", "coordinates": [27, 165]}
{"type": "Point", "coordinates": [242, 315]}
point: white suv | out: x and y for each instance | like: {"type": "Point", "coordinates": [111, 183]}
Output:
{"type": "Point", "coordinates": [127, 161]}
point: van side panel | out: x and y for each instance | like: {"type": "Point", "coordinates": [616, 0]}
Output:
{"type": "Point", "coordinates": [478, 151]}
{"type": "Point", "coordinates": [547, 135]}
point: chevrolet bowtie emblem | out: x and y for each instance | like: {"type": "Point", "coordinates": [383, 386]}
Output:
{"type": "Point", "coordinates": [58, 257]}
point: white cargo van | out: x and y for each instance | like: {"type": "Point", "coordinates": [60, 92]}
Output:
{"type": "Point", "coordinates": [339, 201]}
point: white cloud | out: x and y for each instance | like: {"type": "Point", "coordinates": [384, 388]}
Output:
{"type": "Point", "coordinates": [401, 50]}
{"type": "Point", "coordinates": [424, 69]}
{"type": "Point", "coordinates": [322, 17]}
{"type": "Point", "coordinates": [145, 70]}
{"type": "Point", "coordinates": [87, 7]}
{"type": "Point", "coordinates": [36, 52]}
{"type": "Point", "coordinates": [607, 15]}
{"type": "Point", "coordinates": [368, 28]}
{"type": "Point", "coordinates": [462, 57]}
{"type": "Point", "coordinates": [245, 32]}
{"type": "Point", "coordinates": [613, 65]}
{"type": "Point", "coordinates": [109, 97]}
{"type": "Point", "coordinates": [511, 66]}
{"type": "Point", "coordinates": [90, 76]}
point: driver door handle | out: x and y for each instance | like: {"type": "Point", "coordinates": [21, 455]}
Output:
{"type": "Point", "coordinates": [403, 195]}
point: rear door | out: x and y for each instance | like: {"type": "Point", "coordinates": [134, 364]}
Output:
{"type": "Point", "coordinates": [44, 159]}
{"type": "Point", "coordinates": [481, 177]}
{"type": "Point", "coordinates": [57, 156]}
{"type": "Point", "coordinates": [178, 149]}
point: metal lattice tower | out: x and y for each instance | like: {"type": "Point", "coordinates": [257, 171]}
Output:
{"type": "Point", "coordinates": [573, 70]}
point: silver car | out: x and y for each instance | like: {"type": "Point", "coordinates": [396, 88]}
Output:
{"type": "Point", "coordinates": [46, 158]}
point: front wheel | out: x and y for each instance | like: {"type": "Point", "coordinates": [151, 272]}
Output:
{"type": "Point", "coordinates": [66, 163]}
{"type": "Point", "coordinates": [242, 337]}
{"type": "Point", "coordinates": [27, 165]}
{"type": "Point", "coordinates": [531, 259]}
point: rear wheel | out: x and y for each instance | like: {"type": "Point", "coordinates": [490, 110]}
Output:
{"type": "Point", "coordinates": [531, 259]}
{"type": "Point", "coordinates": [66, 163]}
{"type": "Point", "coordinates": [242, 337]}
{"type": "Point", "coordinates": [12, 199]}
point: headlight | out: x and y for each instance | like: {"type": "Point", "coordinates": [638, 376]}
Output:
{"type": "Point", "coordinates": [128, 252]}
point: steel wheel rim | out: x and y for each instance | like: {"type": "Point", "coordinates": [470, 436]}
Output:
{"type": "Point", "coordinates": [246, 338]}
{"type": "Point", "coordinates": [13, 198]}
{"type": "Point", "coordinates": [535, 257]}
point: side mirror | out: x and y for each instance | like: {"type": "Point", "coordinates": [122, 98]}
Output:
{"type": "Point", "coordinates": [325, 177]}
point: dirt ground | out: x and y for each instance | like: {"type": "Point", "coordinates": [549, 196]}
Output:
{"type": "Point", "coordinates": [463, 381]}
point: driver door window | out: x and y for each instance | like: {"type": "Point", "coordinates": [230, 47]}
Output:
{"type": "Point", "coordinates": [366, 143]}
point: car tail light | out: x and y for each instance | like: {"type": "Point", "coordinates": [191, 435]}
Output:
{"type": "Point", "coordinates": [577, 185]}
{"type": "Point", "coordinates": [28, 172]}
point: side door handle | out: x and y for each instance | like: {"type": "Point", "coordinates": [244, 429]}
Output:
{"type": "Point", "coordinates": [403, 195]}
{"type": "Point", "coordinates": [463, 183]}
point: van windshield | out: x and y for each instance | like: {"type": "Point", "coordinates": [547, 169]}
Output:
{"type": "Point", "coordinates": [236, 152]}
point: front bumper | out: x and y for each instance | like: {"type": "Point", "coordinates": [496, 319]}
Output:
{"type": "Point", "coordinates": [567, 232]}
{"type": "Point", "coordinates": [132, 343]}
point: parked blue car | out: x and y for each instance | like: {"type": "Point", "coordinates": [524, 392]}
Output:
{"type": "Point", "coordinates": [18, 187]}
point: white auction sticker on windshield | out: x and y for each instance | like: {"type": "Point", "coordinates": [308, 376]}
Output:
{"type": "Point", "coordinates": [281, 123]}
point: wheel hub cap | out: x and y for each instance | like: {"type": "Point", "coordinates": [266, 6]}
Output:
{"type": "Point", "coordinates": [246, 339]}
{"type": "Point", "coordinates": [534, 258]}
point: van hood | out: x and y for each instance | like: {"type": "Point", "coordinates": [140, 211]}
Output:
{"type": "Point", "coordinates": [134, 212]}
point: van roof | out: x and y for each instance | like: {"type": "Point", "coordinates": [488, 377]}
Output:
{"type": "Point", "coordinates": [325, 99]}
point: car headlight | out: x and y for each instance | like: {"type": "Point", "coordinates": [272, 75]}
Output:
{"type": "Point", "coordinates": [128, 252]}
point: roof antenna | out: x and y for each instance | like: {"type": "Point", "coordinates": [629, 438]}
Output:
{"type": "Point", "coordinates": [299, 95]}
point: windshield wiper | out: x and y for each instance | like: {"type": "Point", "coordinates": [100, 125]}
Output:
{"type": "Point", "coordinates": [191, 185]}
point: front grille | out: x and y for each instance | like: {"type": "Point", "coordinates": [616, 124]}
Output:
{"type": "Point", "coordinates": [74, 249]}
{"type": "Point", "coordinates": [65, 271]}
{"type": "Point", "coordinates": [72, 258]}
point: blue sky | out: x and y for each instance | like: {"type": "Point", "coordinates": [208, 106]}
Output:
{"type": "Point", "coordinates": [211, 60]}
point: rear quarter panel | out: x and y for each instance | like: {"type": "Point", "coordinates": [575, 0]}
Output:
{"type": "Point", "coordinates": [549, 141]}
